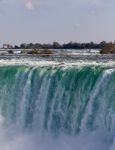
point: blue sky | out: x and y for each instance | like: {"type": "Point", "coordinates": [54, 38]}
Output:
{"type": "Point", "coordinates": [46, 21]}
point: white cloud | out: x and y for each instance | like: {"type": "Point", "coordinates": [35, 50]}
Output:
{"type": "Point", "coordinates": [29, 5]}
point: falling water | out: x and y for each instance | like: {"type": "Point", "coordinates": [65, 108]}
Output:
{"type": "Point", "coordinates": [52, 108]}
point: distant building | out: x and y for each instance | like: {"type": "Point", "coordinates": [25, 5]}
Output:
{"type": "Point", "coordinates": [7, 46]}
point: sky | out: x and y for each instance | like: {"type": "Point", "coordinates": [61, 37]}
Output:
{"type": "Point", "coordinates": [46, 21]}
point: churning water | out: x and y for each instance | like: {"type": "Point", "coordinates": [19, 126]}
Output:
{"type": "Point", "coordinates": [53, 106]}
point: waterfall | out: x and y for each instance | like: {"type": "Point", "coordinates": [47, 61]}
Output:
{"type": "Point", "coordinates": [69, 108]}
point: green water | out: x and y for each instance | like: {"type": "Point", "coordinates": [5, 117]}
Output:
{"type": "Point", "coordinates": [58, 100]}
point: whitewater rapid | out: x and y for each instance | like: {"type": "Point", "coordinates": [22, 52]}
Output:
{"type": "Point", "coordinates": [52, 105]}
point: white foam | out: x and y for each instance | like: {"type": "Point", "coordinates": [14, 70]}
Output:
{"type": "Point", "coordinates": [64, 63]}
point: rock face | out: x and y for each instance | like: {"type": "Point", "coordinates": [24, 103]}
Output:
{"type": "Point", "coordinates": [108, 49]}
{"type": "Point", "coordinates": [38, 52]}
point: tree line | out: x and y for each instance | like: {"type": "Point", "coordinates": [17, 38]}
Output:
{"type": "Point", "coordinates": [56, 45]}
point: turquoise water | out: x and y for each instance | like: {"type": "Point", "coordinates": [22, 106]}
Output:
{"type": "Point", "coordinates": [50, 108]}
